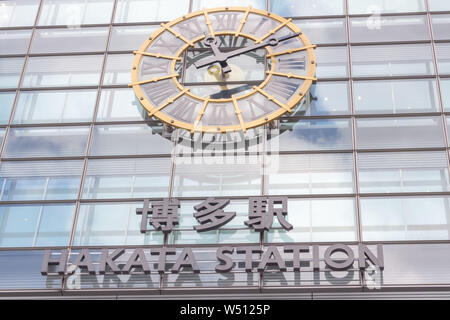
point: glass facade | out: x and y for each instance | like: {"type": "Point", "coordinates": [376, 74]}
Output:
{"type": "Point", "coordinates": [365, 158]}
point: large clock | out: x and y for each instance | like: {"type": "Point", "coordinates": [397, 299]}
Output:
{"type": "Point", "coordinates": [223, 69]}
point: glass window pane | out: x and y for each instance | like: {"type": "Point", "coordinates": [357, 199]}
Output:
{"type": "Point", "coordinates": [118, 69]}
{"type": "Point", "coordinates": [306, 135]}
{"type": "Point", "coordinates": [327, 98]}
{"type": "Point", "coordinates": [441, 26]}
{"type": "Point", "coordinates": [448, 128]}
{"type": "Point", "coordinates": [199, 4]}
{"type": "Point", "coordinates": [40, 180]}
{"type": "Point", "coordinates": [392, 60]}
{"type": "Point", "coordinates": [324, 30]}
{"type": "Point", "coordinates": [63, 71]}
{"type": "Point", "coordinates": [103, 224]}
{"type": "Point", "coordinates": [18, 13]}
{"type": "Point", "coordinates": [400, 28]}
{"type": "Point", "coordinates": [129, 37]}
{"type": "Point", "coordinates": [309, 174]}
{"type": "Point", "coordinates": [47, 142]}
{"type": "Point", "coordinates": [439, 5]}
{"type": "Point", "coordinates": [445, 90]}
{"type": "Point", "coordinates": [150, 10]}
{"type": "Point", "coordinates": [317, 220]}
{"type": "Point", "coordinates": [119, 105]}
{"type": "Point", "coordinates": [443, 57]}
{"type": "Point", "coordinates": [34, 225]}
{"type": "Point", "coordinates": [127, 178]}
{"type": "Point", "coordinates": [217, 176]}
{"type": "Point", "coordinates": [403, 172]}
{"type": "Point", "coordinates": [383, 6]}
{"type": "Point", "coordinates": [291, 8]}
{"type": "Point", "coordinates": [128, 140]}
{"type": "Point", "coordinates": [75, 13]}
{"type": "Point", "coordinates": [418, 218]}
{"type": "Point", "coordinates": [6, 104]}
{"type": "Point", "coordinates": [333, 62]}
{"type": "Point", "coordinates": [10, 70]}
{"type": "Point", "coordinates": [69, 40]}
{"type": "Point", "coordinates": [411, 132]}
{"type": "Point", "coordinates": [14, 41]}
{"type": "Point", "coordinates": [2, 135]}
{"type": "Point", "coordinates": [55, 106]}
{"type": "Point", "coordinates": [396, 96]}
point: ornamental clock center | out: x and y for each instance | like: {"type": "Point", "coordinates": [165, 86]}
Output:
{"type": "Point", "coordinates": [244, 71]}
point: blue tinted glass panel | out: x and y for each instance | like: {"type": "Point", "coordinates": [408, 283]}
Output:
{"type": "Point", "coordinates": [74, 13]}
{"type": "Point", "coordinates": [127, 178]}
{"type": "Point", "coordinates": [6, 104]}
{"type": "Point", "coordinates": [396, 96]}
{"type": "Point", "coordinates": [382, 6]}
{"type": "Point", "coordinates": [47, 142]}
{"type": "Point", "coordinates": [14, 41]}
{"type": "Point", "coordinates": [403, 172]}
{"type": "Point", "coordinates": [35, 225]}
{"type": "Point", "coordinates": [18, 13]}
{"type": "Point", "coordinates": [333, 62]}
{"type": "Point", "coordinates": [63, 71]}
{"type": "Point", "coordinates": [291, 8]}
{"type": "Point", "coordinates": [40, 180]}
{"type": "Point", "coordinates": [309, 174]}
{"type": "Point", "coordinates": [129, 140]}
{"type": "Point", "coordinates": [306, 135]}
{"type": "Point", "coordinates": [317, 220]}
{"type": "Point", "coordinates": [392, 60]}
{"type": "Point", "coordinates": [411, 132]}
{"type": "Point", "coordinates": [413, 218]}
{"type": "Point", "coordinates": [120, 105]}
{"type": "Point", "coordinates": [10, 70]}
{"type": "Point", "coordinates": [55, 106]}
{"type": "Point", "coordinates": [112, 224]}
{"type": "Point", "coordinates": [150, 10]}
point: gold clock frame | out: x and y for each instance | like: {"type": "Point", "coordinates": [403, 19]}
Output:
{"type": "Point", "coordinates": [194, 127]}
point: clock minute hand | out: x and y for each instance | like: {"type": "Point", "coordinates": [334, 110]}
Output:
{"type": "Point", "coordinates": [226, 55]}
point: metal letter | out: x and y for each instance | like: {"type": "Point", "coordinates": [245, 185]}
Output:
{"type": "Point", "coordinates": [185, 259]}
{"type": "Point", "coordinates": [137, 259]}
{"type": "Point", "coordinates": [162, 252]}
{"type": "Point", "coordinates": [363, 252]}
{"type": "Point", "coordinates": [108, 259]}
{"type": "Point", "coordinates": [83, 260]}
{"type": "Point", "coordinates": [296, 250]}
{"type": "Point", "coordinates": [266, 259]}
{"type": "Point", "coordinates": [339, 265]}
{"type": "Point", "coordinates": [223, 258]}
{"type": "Point", "coordinates": [248, 256]}
{"type": "Point", "coordinates": [60, 262]}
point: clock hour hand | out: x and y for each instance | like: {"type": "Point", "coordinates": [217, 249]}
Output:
{"type": "Point", "coordinates": [218, 55]}
{"type": "Point", "coordinates": [223, 56]}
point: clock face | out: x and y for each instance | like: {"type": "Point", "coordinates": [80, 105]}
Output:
{"type": "Point", "coordinates": [224, 69]}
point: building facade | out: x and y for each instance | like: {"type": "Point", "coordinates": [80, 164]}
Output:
{"type": "Point", "coordinates": [363, 160]}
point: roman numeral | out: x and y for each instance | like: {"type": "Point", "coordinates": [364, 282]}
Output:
{"type": "Point", "coordinates": [171, 45]}
{"type": "Point", "coordinates": [218, 114]}
{"type": "Point", "coordinates": [257, 108]}
{"type": "Point", "coordinates": [191, 28]}
{"type": "Point", "coordinates": [292, 63]}
{"type": "Point", "coordinates": [282, 88]}
{"type": "Point", "coordinates": [159, 91]}
{"type": "Point", "coordinates": [226, 21]}
{"type": "Point", "coordinates": [183, 109]}
{"type": "Point", "coordinates": [154, 66]}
